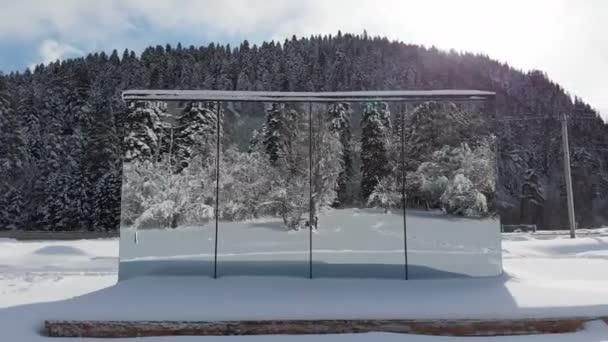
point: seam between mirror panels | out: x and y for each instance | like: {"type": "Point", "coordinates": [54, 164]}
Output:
{"type": "Point", "coordinates": [402, 112]}
{"type": "Point", "coordinates": [217, 182]}
{"type": "Point", "coordinates": [310, 203]}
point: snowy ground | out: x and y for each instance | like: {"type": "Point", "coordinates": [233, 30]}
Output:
{"type": "Point", "coordinates": [42, 271]}
{"type": "Point", "coordinates": [550, 276]}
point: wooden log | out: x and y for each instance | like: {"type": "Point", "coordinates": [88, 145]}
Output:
{"type": "Point", "coordinates": [298, 327]}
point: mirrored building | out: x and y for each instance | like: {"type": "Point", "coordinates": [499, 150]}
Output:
{"type": "Point", "coordinates": [391, 184]}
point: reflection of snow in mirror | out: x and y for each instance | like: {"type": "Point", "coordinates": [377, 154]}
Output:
{"type": "Point", "coordinates": [435, 240]}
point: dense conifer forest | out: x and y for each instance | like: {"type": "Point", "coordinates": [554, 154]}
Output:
{"type": "Point", "coordinates": [62, 126]}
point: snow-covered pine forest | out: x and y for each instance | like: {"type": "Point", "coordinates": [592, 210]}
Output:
{"type": "Point", "coordinates": [62, 128]}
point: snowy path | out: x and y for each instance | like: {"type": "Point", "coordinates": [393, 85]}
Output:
{"type": "Point", "coordinates": [544, 278]}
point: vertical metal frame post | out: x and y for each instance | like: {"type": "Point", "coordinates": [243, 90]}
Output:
{"type": "Point", "coordinates": [217, 184]}
{"type": "Point", "coordinates": [310, 202]}
{"type": "Point", "coordinates": [402, 112]}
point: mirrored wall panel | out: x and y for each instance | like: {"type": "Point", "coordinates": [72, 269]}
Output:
{"type": "Point", "coordinates": [372, 189]}
{"type": "Point", "coordinates": [357, 207]}
{"type": "Point", "coordinates": [168, 190]}
{"type": "Point", "coordinates": [450, 171]}
{"type": "Point", "coordinates": [264, 190]}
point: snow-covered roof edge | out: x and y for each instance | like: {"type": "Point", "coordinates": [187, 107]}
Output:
{"type": "Point", "coordinates": [277, 96]}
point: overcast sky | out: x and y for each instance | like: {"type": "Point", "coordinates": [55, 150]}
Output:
{"type": "Point", "coordinates": [565, 38]}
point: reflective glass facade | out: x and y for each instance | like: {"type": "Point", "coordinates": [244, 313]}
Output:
{"type": "Point", "coordinates": [335, 189]}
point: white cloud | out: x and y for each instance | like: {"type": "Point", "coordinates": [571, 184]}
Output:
{"type": "Point", "coordinates": [565, 38]}
{"type": "Point", "coordinates": [51, 50]}
{"type": "Point", "coordinates": [78, 20]}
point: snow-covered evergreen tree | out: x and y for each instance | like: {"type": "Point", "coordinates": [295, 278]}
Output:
{"type": "Point", "coordinates": [286, 144]}
{"type": "Point", "coordinates": [272, 132]}
{"type": "Point", "coordinates": [432, 125]}
{"type": "Point", "coordinates": [146, 129]}
{"type": "Point", "coordinates": [375, 140]}
{"type": "Point", "coordinates": [327, 161]}
{"type": "Point", "coordinates": [293, 167]}
{"type": "Point", "coordinates": [196, 133]}
{"type": "Point", "coordinates": [12, 163]}
{"type": "Point", "coordinates": [340, 124]}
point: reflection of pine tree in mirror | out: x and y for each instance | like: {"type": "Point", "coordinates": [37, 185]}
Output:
{"type": "Point", "coordinates": [330, 156]}
{"type": "Point", "coordinates": [264, 163]}
{"type": "Point", "coordinates": [169, 165]}
{"type": "Point", "coordinates": [339, 116]}
{"type": "Point", "coordinates": [145, 126]}
{"type": "Point", "coordinates": [376, 129]}
{"type": "Point", "coordinates": [285, 140]}
{"type": "Point", "coordinates": [195, 133]}
{"type": "Point", "coordinates": [449, 159]}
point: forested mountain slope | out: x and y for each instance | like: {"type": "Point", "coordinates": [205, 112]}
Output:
{"type": "Point", "coordinates": [61, 125]}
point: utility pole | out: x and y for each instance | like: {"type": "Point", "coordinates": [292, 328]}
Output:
{"type": "Point", "coordinates": [568, 175]}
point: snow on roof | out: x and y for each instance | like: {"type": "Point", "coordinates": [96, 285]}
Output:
{"type": "Point", "coordinates": [276, 96]}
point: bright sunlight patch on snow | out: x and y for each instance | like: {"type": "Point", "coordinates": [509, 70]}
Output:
{"type": "Point", "coordinates": [546, 276]}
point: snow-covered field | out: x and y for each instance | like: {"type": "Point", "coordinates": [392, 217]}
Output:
{"type": "Point", "coordinates": [551, 276]}
{"type": "Point", "coordinates": [42, 271]}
